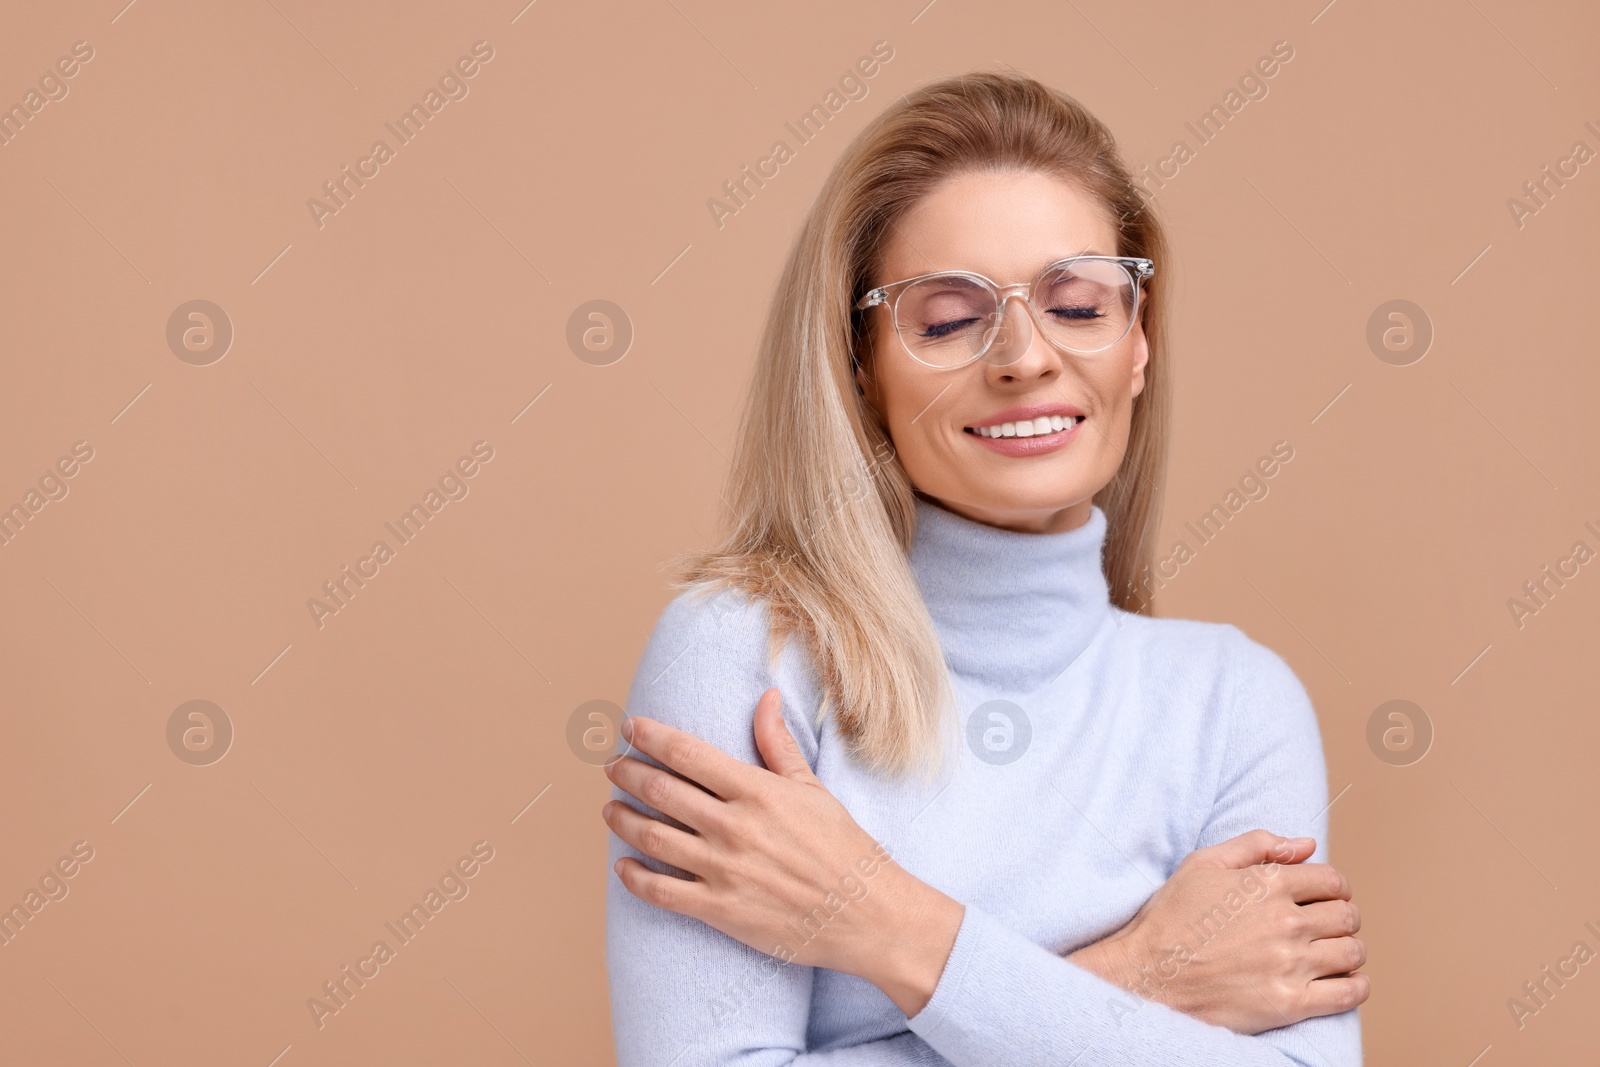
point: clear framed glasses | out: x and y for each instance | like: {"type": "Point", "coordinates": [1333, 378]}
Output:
{"type": "Point", "coordinates": [948, 319]}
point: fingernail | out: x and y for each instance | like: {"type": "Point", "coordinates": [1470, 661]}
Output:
{"type": "Point", "coordinates": [627, 729]}
{"type": "Point", "coordinates": [617, 866]}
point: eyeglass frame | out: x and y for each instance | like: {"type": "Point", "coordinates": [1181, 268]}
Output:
{"type": "Point", "coordinates": [1139, 267]}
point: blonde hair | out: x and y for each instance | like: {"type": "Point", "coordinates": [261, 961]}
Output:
{"type": "Point", "coordinates": [820, 513]}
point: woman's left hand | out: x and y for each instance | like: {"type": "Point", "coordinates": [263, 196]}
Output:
{"type": "Point", "coordinates": [779, 864]}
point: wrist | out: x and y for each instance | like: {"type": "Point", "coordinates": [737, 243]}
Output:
{"type": "Point", "coordinates": [1111, 958]}
{"type": "Point", "coordinates": [916, 927]}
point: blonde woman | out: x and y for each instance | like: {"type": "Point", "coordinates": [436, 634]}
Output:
{"type": "Point", "coordinates": [937, 787]}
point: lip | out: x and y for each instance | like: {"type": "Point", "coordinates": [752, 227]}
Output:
{"type": "Point", "coordinates": [1027, 446]}
{"type": "Point", "coordinates": [1028, 413]}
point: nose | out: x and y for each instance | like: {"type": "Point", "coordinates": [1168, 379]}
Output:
{"type": "Point", "coordinates": [1018, 348]}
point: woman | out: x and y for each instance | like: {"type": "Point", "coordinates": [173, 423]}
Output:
{"type": "Point", "coordinates": [941, 501]}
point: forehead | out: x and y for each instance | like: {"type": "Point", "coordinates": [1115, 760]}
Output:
{"type": "Point", "coordinates": [1006, 225]}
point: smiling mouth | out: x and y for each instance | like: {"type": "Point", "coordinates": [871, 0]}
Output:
{"type": "Point", "coordinates": [1040, 427]}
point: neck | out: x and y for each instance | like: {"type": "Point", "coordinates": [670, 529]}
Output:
{"type": "Point", "coordinates": [1013, 610]}
{"type": "Point", "coordinates": [1050, 520]}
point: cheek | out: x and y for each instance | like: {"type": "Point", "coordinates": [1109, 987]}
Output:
{"type": "Point", "coordinates": [917, 409]}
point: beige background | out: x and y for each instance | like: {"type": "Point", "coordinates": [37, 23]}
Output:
{"type": "Point", "coordinates": [372, 352]}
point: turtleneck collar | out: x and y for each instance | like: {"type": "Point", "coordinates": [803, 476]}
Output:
{"type": "Point", "coordinates": [1013, 610]}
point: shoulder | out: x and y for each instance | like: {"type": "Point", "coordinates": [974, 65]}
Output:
{"type": "Point", "coordinates": [1246, 688]}
{"type": "Point", "coordinates": [712, 626]}
{"type": "Point", "coordinates": [706, 663]}
{"type": "Point", "coordinates": [1196, 643]}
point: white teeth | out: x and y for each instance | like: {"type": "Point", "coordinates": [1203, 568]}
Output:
{"type": "Point", "coordinates": [1042, 425]}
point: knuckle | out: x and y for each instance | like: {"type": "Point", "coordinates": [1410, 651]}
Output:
{"type": "Point", "coordinates": [681, 752]}
{"type": "Point", "coordinates": [761, 793]}
{"type": "Point", "coordinates": [652, 839]}
{"type": "Point", "coordinates": [658, 791]}
{"type": "Point", "coordinates": [1352, 918]}
{"type": "Point", "coordinates": [1358, 953]}
{"type": "Point", "coordinates": [661, 892]}
{"type": "Point", "coordinates": [1288, 998]}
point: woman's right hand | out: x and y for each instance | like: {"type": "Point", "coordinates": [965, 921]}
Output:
{"type": "Point", "coordinates": [1244, 935]}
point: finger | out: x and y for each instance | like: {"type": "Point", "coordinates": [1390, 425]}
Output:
{"type": "Point", "coordinates": [777, 745]}
{"type": "Point", "coordinates": [1330, 996]}
{"type": "Point", "coordinates": [1334, 956]}
{"type": "Point", "coordinates": [666, 793]}
{"type": "Point", "coordinates": [1251, 848]}
{"type": "Point", "coordinates": [662, 890]}
{"type": "Point", "coordinates": [1330, 918]}
{"type": "Point", "coordinates": [1307, 882]}
{"type": "Point", "coordinates": [657, 840]}
{"type": "Point", "coordinates": [691, 757]}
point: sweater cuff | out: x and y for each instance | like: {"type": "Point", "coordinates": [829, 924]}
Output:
{"type": "Point", "coordinates": [987, 968]}
{"type": "Point", "coordinates": [979, 949]}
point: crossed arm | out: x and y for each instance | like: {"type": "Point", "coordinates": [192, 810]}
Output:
{"type": "Point", "coordinates": [761, 845]}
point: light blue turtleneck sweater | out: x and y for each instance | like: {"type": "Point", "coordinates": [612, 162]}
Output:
{"type": "Point", "coordinates": [1145, 740]}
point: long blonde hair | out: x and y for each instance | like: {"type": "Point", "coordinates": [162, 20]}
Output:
{"type": "Point", "coordinates": [820, 513]}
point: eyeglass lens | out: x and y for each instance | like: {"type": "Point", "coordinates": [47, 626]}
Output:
{"type": "Point", "coordinates": [1083, 305]}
